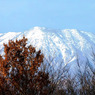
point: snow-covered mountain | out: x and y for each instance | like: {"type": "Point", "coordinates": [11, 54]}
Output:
{"type": "Point", "coordinates": [62, 45]}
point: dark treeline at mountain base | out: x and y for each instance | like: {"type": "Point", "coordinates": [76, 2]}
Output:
{"type": "Point", "coordinates": [23, 71]}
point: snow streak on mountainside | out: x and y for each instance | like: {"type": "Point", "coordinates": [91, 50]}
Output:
{"type": "Point", "coordinates": [68, 44]}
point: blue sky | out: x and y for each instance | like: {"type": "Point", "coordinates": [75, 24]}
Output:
{"type": "Point", "coordinates": [21, 15]}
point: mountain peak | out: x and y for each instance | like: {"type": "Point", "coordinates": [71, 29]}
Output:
{"type": "Point", "coordinates": [38, 28]}
{"type": "Point", "coordinates": [63, 45]}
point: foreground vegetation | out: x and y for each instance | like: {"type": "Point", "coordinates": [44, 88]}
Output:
{"type": "Point", "coordinates": [23, 71]}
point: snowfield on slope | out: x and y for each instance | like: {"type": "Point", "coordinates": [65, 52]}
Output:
{"type": "Point", "coordinates": [62, 45]}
